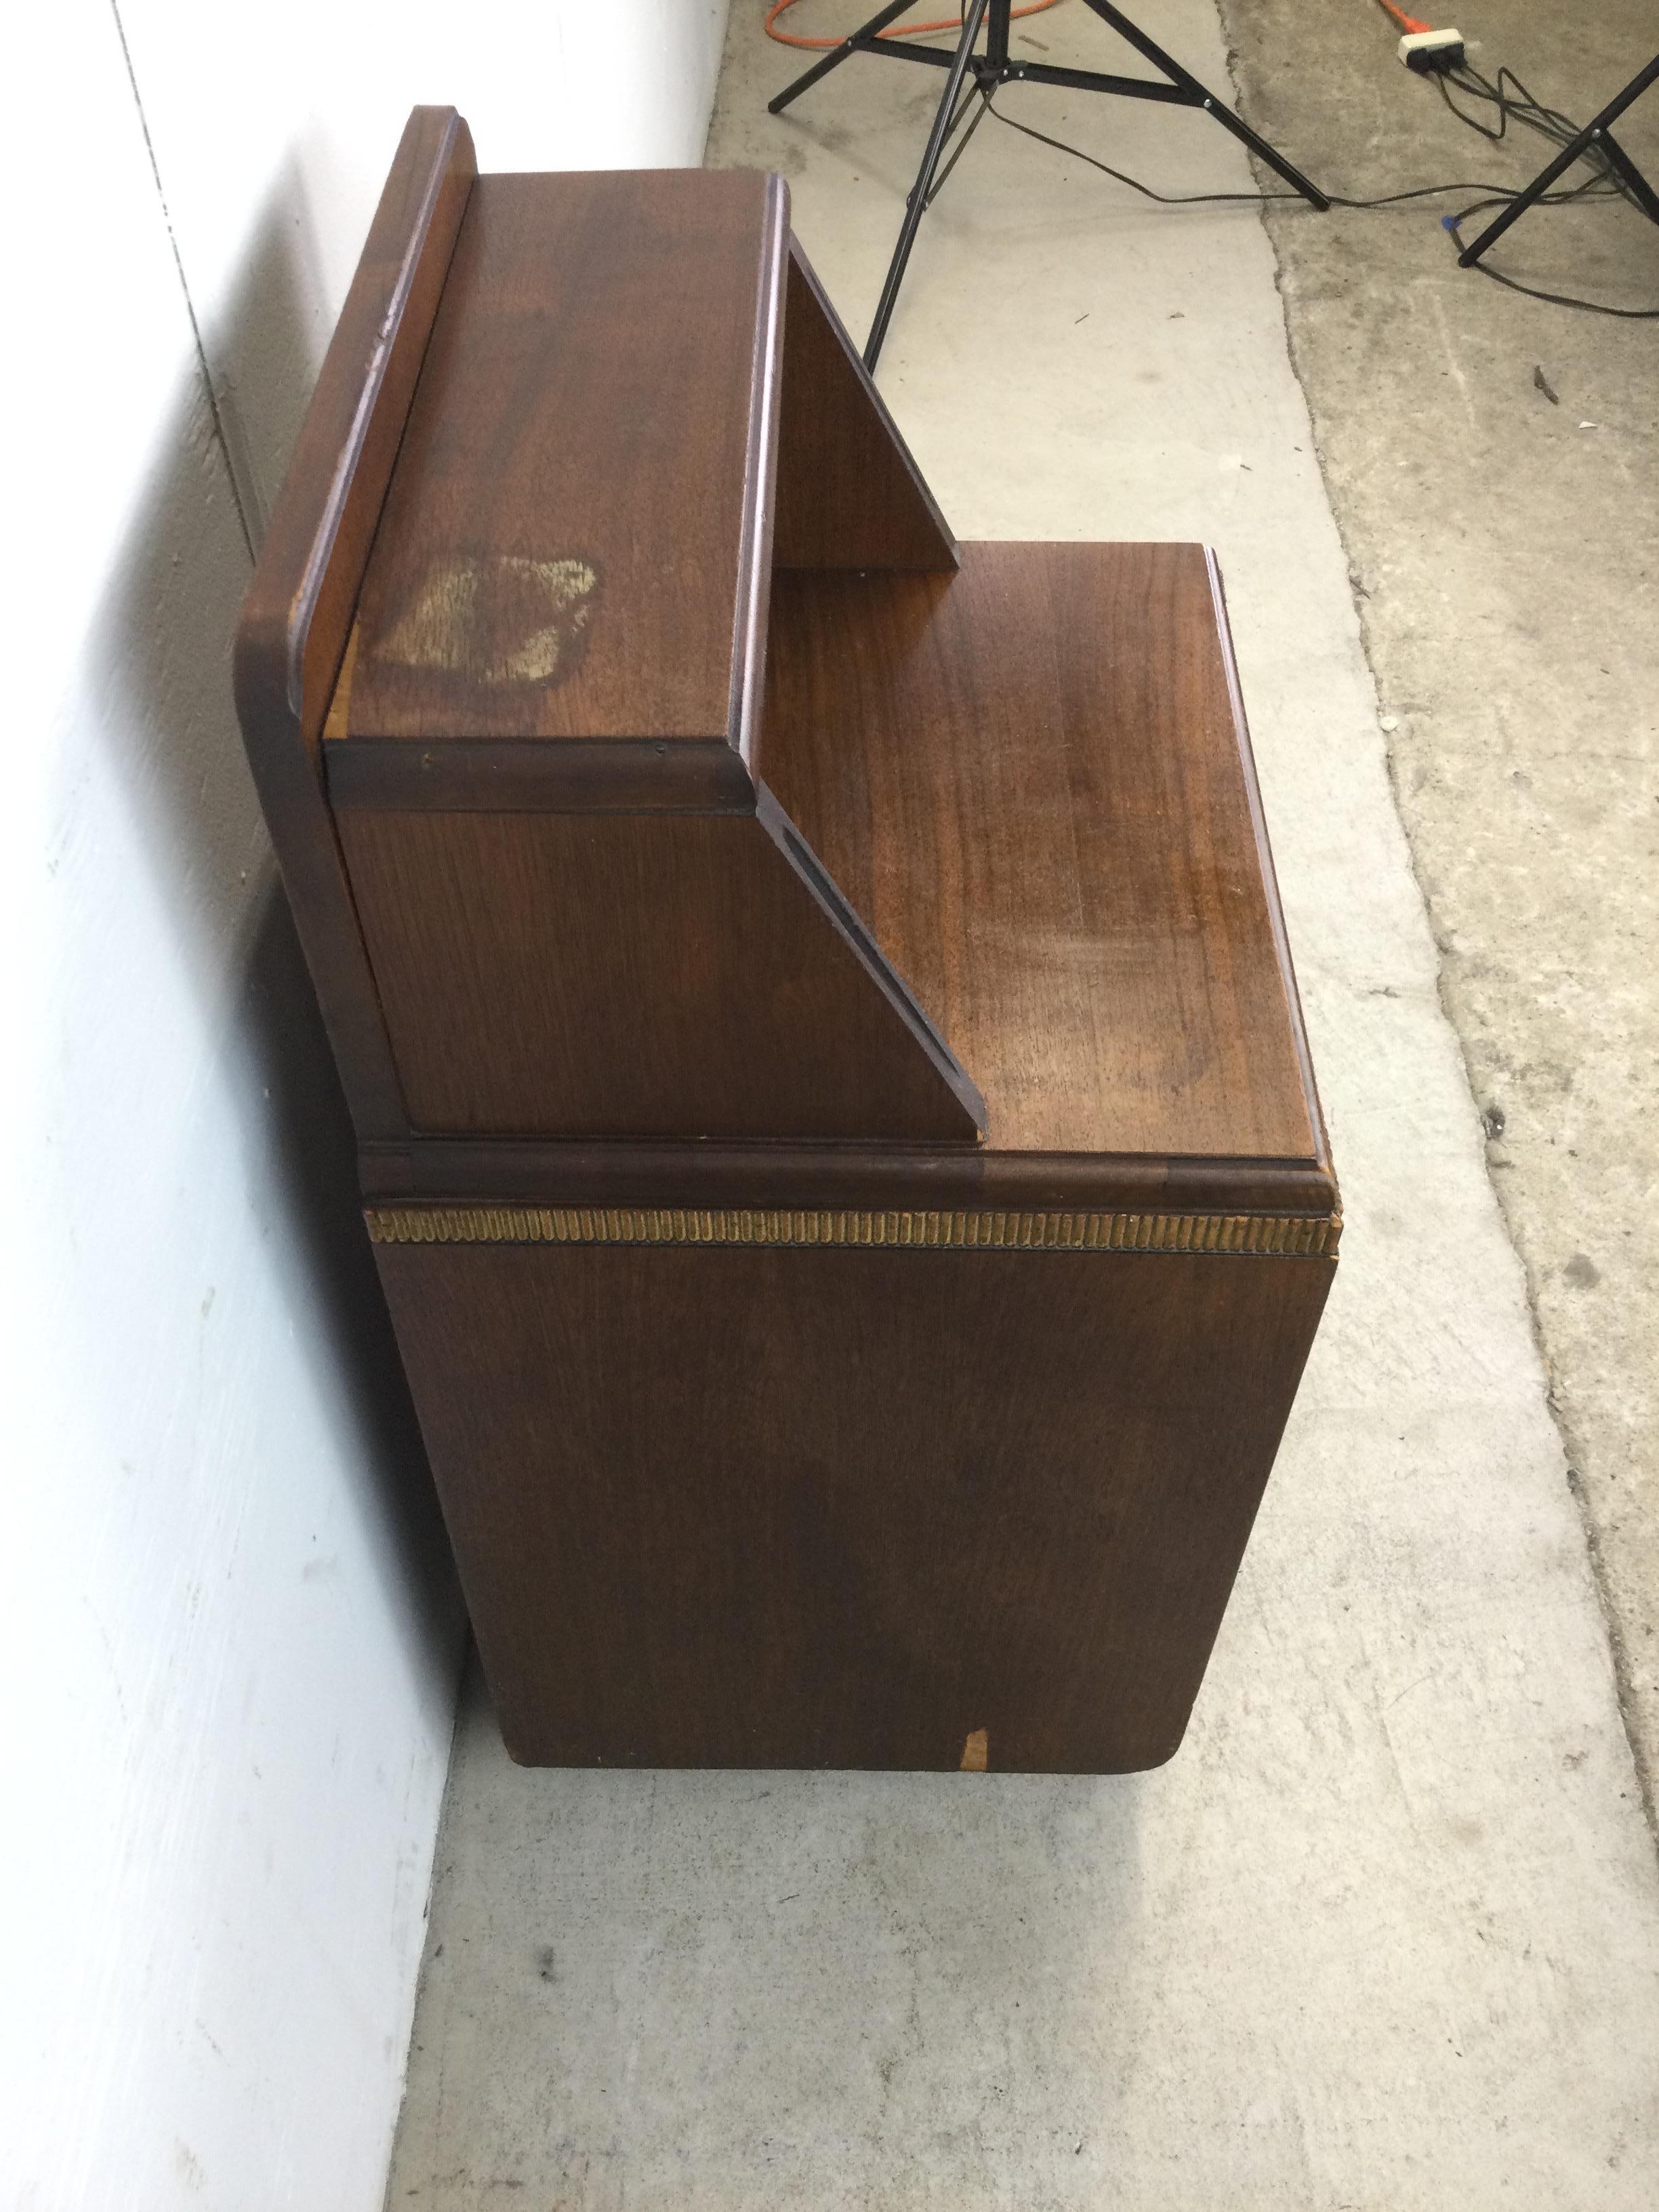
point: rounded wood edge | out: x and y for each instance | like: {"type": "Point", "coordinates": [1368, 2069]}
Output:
{"type": "Point", "coordinates": [297, 612]}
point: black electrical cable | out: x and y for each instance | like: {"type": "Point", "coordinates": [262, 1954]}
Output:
{"type": "Point", "coordinates": [1549, 121]}
{"type": "Point", "coordinates": [1194, 199]}
{"type": "Point", "coordinates": [1559, 129]}
{"type": "Point", "coordinates": [1532, 113]}
{"type": "Point", "coordinates": [1516, 105]}
{"type": "Point", "coordinates": [1452, 225]}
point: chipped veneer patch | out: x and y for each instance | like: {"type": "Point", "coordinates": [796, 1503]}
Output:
{"type": "Point", "coordinates": [504, 619]}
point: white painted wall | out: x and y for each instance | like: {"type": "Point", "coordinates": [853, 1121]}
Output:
{"type": "Point", "coordinates": [228, 1633]}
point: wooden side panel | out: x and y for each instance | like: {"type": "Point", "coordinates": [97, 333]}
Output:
{"type": "Point", "coordinates": [630, 975]}
{"type": "Point", "coordinates": [847, 1509]}
{"type": "Point", "coordinates": [1032, 780]}
{"type": "Point", "coordinates": [298, 610]}
{"type": "Point", "coordinates": [849, 495]}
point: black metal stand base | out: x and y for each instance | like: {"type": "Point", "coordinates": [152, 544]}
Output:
{"type": "Point", "coordinates": [981, 74]}
{"type": "Point", "coordinates": [1597, 135]}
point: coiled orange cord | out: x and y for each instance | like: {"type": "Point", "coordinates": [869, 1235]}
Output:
{"type": "Point", "coordinates": [897, 31]}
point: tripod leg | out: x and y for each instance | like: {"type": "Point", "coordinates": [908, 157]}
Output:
{"type": "Point", "coordinates": [1198, 97]}
{"type": "Point", "coordinates": [1637, 185]}
{"type": "Point", "coordinates": [981, 93]}
{"type": "Point", "coordinates": [849, 44]}
{"type": "Point", "coordinates": [996, 34]}
{"type": "Point", "coordinates": [973, 15]}
{"type": "Point", "coordinates": [1594, 131]}
{"type": "Point", "coordinates": [1274, 159]}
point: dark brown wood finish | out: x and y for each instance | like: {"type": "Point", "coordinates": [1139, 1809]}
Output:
{"type": "Point", "coordinates": [622, 974]}
{"type": "Point", "coordinates": [577, 541]}
{"type": "Point", "coordinates": [849, 495]}
{"type": "Point", "coordinates": [778, 1420]}
{"type": "Point", "coordinates": [843, 1508]}
{"type": "Point", "coordinates": [1031, 781]}
{"type": "Point", "coordinates": [299, 607]}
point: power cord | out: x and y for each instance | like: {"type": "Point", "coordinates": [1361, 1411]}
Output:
{"type": "Point", "coordinates": [1194, 199]}
{"type": "Point", "coordinates": [1512, 102]}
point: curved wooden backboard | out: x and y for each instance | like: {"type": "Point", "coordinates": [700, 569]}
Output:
{"type": "Point", "coordinates": [299, 608]}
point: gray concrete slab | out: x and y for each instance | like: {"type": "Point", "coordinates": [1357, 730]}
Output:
{"type": "Point", "coordinates": [1493, 465]}
{"type": "Point", "coordinates": [1385, 1934]}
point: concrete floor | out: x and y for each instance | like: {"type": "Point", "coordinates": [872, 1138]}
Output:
{"type": "Point", "coordinates": [1385, 1934]}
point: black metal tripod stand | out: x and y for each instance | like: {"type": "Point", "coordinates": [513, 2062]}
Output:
{"type": "Point", "coordinates": [982, 74]}
{"type": "Point", "coordinates": [1596, 137]}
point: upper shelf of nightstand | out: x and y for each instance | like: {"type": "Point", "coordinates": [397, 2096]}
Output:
{"type": "Point", "coordinates": [608, 450]}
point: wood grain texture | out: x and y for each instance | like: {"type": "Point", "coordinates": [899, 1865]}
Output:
{"type": "Point", "coordinates": [614, 974]}
{"type": "Point", "coordinates": [528, 775]}
{"type": "Point", "coordinates": [1033, 782]}
{"type": "Point", "coordinates": [576, 544]}
{"type": "Point", "coordinates": [297, 614]}
{"type": "Point", "coordinates": [759, 1508]}
{"type": "Point", "coordinates": [848, 494]}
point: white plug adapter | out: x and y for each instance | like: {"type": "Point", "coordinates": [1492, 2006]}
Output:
{"type": "Point", "coordinates": [1426, 52]}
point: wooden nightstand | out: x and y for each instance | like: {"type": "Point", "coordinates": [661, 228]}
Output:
{"type": "Point", "coordinates": [836, 1123]}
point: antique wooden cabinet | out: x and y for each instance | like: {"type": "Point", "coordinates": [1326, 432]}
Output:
{"type": "Point", "coordinates": [835, 1124]}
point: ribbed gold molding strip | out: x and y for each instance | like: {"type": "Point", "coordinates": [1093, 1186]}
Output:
{"type": "Point", "coordinates": [1290, 1235]}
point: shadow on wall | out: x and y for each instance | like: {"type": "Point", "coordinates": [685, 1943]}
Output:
{"type": "Point", "coordinates": [182, 784]}
{"type": "Point", "coordinates": [280, 1042]}
{"type": "Point", "coordinates": [266, 345]}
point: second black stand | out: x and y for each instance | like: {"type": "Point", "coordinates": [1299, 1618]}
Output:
{"type": "Point", "coordinates": [1596, 136]}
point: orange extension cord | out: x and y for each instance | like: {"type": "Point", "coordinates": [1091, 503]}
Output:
{"type": "Point", "coordinates": [897, 30]}
{"type": "Point", "coordinates": [1407, 23]}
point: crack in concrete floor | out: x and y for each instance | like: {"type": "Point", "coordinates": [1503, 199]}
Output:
{"type": "Point", "coordinates": [1491, 462]}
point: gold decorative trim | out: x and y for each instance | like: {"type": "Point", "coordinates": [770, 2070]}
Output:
{"type": "Point", "coordinates": [1288, 1235]}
